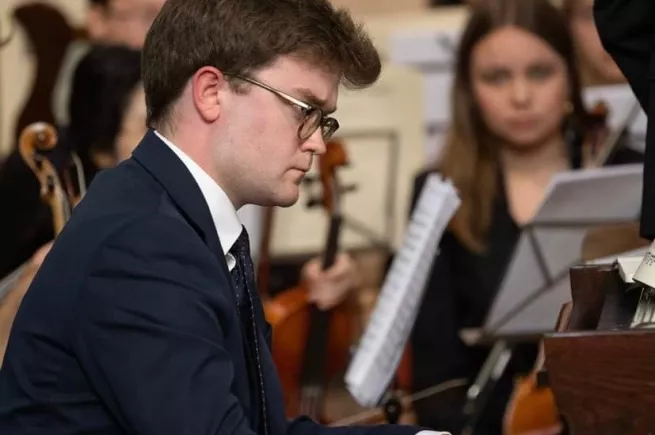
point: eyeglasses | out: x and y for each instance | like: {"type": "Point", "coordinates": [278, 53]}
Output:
{"type": "Point", "coordinates": [313, 116]}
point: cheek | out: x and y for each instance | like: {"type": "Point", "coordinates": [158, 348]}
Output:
{"type": "Point", "coordinates": [491, 103]}
{"type": "Point", "coordinates": [552, 100]}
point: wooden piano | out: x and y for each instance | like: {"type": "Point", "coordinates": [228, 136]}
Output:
{"type": "Point", "coordinates": [601, 371]}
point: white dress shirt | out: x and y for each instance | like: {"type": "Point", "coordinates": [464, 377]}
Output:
{"type": "Point", "coordinates": [223, 213]}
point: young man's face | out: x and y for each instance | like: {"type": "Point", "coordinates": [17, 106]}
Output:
{"type": "Point", "coordinates": [123, 22]}
{"type": "Point", "coordinates": [267, 159]}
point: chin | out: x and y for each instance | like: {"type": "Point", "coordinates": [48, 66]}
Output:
{"type": "Point", "coordinates": [525, 142]}
{"type": "Point", "coordinates": [287, 197]}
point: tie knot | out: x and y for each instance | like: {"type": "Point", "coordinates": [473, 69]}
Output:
{"type": "Point", "coordinates": [241, 247]}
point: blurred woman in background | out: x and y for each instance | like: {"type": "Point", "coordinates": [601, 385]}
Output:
{"type": "Point", "coordinates": [518, 119]}
{"type": "Point", "coordinates": [100, 91]}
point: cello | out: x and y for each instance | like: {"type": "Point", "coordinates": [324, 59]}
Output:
{"type": "Point", "coordinates": [61, 191]}
{"type": "Point", "coordinates": [311, 346]}
{"type": "Point", "coordinates": [35, 141]}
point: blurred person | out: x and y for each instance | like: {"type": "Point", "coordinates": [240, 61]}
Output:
{"type": "Point", "coordinates": [518, 119]}
{"type": "Point", "coordinates": [102, 86]}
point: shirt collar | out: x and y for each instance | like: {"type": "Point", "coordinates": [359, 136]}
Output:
{"type": "Point", "coordinates": [227, 223]}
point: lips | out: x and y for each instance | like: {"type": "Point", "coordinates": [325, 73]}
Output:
{"type": "Point", "coordinates": [523, 122]}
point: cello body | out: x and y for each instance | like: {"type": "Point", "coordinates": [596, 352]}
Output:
{"type": "Point", "coordinates": [289, 315]}
{"type": "Point", "coordinates": [532, 409]}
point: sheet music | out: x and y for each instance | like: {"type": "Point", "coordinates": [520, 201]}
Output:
{"type": "Point", "coordinates": [537, 281]}
{"type": "Point", "coordinates": [382, 344]}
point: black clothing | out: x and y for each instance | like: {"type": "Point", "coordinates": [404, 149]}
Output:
{"type": "Point", "coordinates": [460, 291]}
{"type": "Point", "coordinates": [627, 31]}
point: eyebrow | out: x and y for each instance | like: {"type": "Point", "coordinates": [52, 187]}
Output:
{"type": "Point", "coordinates": [311, 98]}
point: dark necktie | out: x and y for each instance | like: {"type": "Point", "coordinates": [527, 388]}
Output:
{"type": "Point", "coordinates": [243, 275]}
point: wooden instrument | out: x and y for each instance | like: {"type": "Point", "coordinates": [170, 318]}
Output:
{"type": "Point", "coordinates": [58, 191]}
{"type": "Point", "coordinates": [532, 406]}
{"type": "Point", "coordinates": [601, 370]}
{"type": "Point", "coordinates": [311, 346]}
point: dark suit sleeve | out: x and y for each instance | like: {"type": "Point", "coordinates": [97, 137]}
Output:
{"type": "Point", "coordinates": [150, 332]}
{"type": "Point", "coordinates": [627, 29]}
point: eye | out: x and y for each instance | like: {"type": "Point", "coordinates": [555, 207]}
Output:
{"type": "Point", "coordinates": [495, 76]}
{"type": "Point", "coordinates": [540, 72]}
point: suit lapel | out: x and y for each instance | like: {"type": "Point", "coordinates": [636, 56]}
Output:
{"type": "Point", "coordinates": [162, 163]}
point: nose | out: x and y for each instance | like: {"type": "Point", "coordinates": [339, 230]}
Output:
{"type": "Point", "coordinates": [315, 143]}
{"type": "Point", "coordinates": [521, 92]}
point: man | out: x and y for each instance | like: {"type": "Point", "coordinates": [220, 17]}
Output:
{"type": "Point", "coordinates": [626, 31]}
{"type": "Point", "coordinates": [144, 317]}
{"type": "Point", "coordinates": [108, 76]}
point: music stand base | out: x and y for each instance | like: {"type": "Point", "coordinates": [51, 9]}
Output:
{"type": "Point", "coordinates": [392, 408]}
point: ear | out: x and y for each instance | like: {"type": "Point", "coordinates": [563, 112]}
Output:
{"type": "Point", "coordinates": [96, 22]}
{"type": "Point", "coordinates": [206, 86]}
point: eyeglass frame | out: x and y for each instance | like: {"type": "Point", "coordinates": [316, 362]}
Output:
{"type": "Point", "coordinates": [307, 109]}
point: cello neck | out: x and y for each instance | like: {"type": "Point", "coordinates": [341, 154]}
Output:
{"type": "Point", "coordinates": [332, 243]}
{"type": "Point", "coordinates": [36, 139]}
{"type": "Point", "coordinates": [264, 261]}
{"type": "Point", "coordinates": [312, 376]}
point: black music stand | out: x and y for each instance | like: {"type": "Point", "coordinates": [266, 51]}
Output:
{"type": "Point", "coordinates": [536, 283]}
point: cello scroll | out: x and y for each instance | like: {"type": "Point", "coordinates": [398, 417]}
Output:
{"type": "Point", "coordinates": [36, 139]}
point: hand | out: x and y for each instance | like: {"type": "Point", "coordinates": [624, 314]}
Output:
{"type": "Point", "coordinates": [329, 288]}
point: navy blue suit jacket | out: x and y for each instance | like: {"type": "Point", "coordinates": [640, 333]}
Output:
{"type": "Point", "coordinates": [130, 326]}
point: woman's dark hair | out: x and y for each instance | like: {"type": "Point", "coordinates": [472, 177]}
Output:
{"type": "Point", "coordinates": [470, 157]}
{"type": "Point", "coordinates": [101, 87]}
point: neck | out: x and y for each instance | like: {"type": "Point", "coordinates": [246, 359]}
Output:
{"type": "Point", "coordinates": [195, 143]}
{"type": "Point", "coordinates": [541, 162]}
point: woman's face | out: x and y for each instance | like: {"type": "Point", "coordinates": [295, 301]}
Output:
{"type": "Point", "coordinates": [590, 50]}
{"type": "Point", "coordinates": [520, 85]}
{"type": "Point", "coordinates": [133, 126]}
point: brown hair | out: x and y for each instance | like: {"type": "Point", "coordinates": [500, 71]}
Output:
{"type": "Point", "coordinates": [470, 156]}
{"type": "Point", "coordinates": [238, 36]}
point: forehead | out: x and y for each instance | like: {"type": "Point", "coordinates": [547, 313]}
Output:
{"type": "Point", "coordinates": [303, 80]}
{"type": "Point", "coordinates": [512, 47]}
